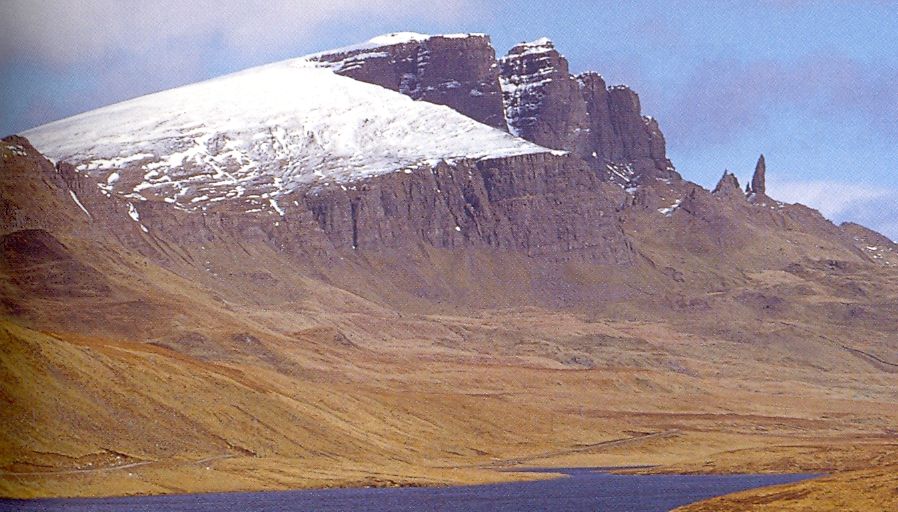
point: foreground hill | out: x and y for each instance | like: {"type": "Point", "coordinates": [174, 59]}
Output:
{"type": "Point", "coordinates": [251, 276]}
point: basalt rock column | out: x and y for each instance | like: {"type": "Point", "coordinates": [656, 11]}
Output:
{"type": "Point", "coordinates": [758, 186]}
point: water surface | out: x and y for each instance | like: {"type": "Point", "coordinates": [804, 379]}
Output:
{"type": "Point", "coordinates": [583, 490]}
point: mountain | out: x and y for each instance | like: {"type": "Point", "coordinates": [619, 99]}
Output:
{"type": "Point", "coordinates": [529, 92]}
{"type": "Point", "coordinates": [263, 132]}
{"type": "Point", "coordinates": [292, 142]}
{"type": "Point", "coordinates": [406, 261]}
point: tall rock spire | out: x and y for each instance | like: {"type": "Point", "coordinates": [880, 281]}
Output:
{"type": "Point", "coordinates": [758, 181]}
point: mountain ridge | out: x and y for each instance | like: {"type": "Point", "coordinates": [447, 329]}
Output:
{"type": "Point", "coordinates": [615, 146]}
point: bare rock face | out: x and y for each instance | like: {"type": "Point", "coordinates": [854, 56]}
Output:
{"type": "Point", "coordinates": [548, 106]}
{"type": "Point", "coordinates": [540, 205]}
{"type": "Point", "coordinates": [638, 138]}
{"type": "Point", "coordinates": [529, 92]}
{"type": "Point", "coordinates": [728, 187]}
{"type": "Point", "coordinates": [758, 186]}
{"type": "Point", "coordinates": [543, 103]}
{"type": "Point", "coordinates": [602, 136]}
{"type": "Point", "coordinates": [457, 71]}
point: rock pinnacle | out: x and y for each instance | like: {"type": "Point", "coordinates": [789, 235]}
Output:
{"type": "Point", "coordinates": [758, 181]}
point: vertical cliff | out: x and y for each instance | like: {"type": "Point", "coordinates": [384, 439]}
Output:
{"type": "Point", "coordinates": [459, 71]}
{"type": "Point", "coordinates": [530, 92]}
{"type": "Point", "coordinates": [542, 100]}
{"type": "Point", "coordinates": [541, 205]}
{"type": "Point", "coordinates": [547, 105]}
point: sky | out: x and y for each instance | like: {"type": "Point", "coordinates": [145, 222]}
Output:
{"type": "Point", "coordinates": [811, 84]}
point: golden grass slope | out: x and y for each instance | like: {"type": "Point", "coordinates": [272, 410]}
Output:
{"type": "Point", "coordinates": [129, 365]}
{"type": "Point", "coordinates": [871, 490]}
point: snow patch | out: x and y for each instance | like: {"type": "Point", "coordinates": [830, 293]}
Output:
{"type": "Point", "coordinates": [667, 212]}
{"type": "Point", "coordinates": [132, 212]}
{"type": "Point", "coordinates": [538, 46]}
{"type": "Point", "coordinates": [16, 149]}
{"type": "Point", "coordinates": [75, 198]}
{"type": "Point", "coordinates": [274, 205]}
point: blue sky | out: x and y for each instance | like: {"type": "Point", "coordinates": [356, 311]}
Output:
{"type": "Point", "coordinates": [812, 84]}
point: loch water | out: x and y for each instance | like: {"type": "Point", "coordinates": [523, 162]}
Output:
{"type": "Point", "coordinates": [581, 490]}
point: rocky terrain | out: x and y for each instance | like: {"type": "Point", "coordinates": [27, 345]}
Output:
{"type": "Point", "coordinates": [493, 263]}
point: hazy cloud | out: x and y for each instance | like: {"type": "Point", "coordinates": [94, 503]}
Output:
{"type": "Point", "coordinates": [62, 32]}
{"type": "Point", "coordinates": [59, 58]}
{"type": "Point", "coordinates": [874, 207]}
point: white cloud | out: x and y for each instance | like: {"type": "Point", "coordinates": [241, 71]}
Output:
{"type": "Point", "coordinates": [63, 32]}
{"type": "Point", "coordinates": [874, 207]}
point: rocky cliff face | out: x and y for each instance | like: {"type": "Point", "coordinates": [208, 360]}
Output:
{"type": "Point", "coordinates": [543, 103]}
{"type": "Point", "coordinates": [547, 105]}
{"type": "Point", "coordinates": [457, 71]}
{"type": "Point", "coordinates": [545, 206]}
{"type": "Point", "coordinates": [530, 92]}
{"type": "Point", "coordinates": [530, 229]}
{"type": "Point", "coordinates": [540, 205]}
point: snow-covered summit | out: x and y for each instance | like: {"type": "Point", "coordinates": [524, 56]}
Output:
{"type": "Point", "coordinates": [263, 131]}
{"type": "Point", "coordinates": [541, 45]}
{"type": "Point", "coordinates": [390, 39]}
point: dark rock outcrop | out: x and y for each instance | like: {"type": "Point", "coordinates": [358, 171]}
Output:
{"type": "Point", "coordinates": [758, 185]}
{"type": "Point", "coordinates": [541, 205]}
{"type": "Point", "coordinates": [543, 103]}
{"type": "Point", "coordinates": [728, 187]}
{"type": "Point", "coordinates": [457, 71]}
{"type": "Point", "coordinates": [547, 105]}
{"type": "Point", "coordinates": [42, 266]}
{"type": "Point", "coordinates": [538, 99]}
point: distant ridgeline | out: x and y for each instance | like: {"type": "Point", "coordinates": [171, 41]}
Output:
{"type": "Point", "coordinates": [412, 139]}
